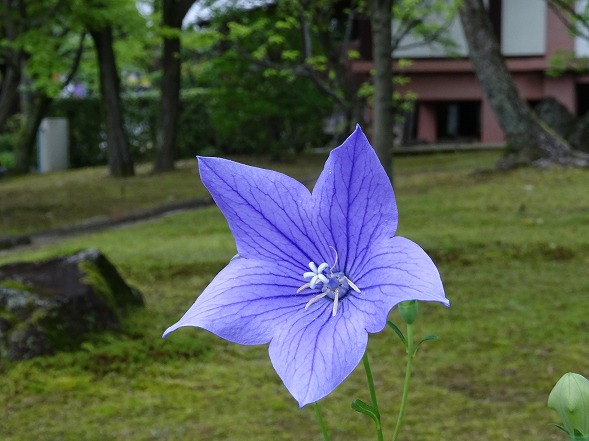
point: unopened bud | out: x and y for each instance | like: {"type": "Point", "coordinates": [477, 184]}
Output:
{"type": "Point", "coordinates": [570, 399]}
{"type": "Point", "coordinates": [408, 311]}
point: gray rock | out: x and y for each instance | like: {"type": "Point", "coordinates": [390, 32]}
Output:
{"type": "Point", "coordinates": [49, 306]}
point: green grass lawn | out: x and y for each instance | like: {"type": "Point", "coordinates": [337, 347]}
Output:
{"type": "Point", "coordinates": [513, 251]}
{"type": "Point", "coordinates": [44, 201]}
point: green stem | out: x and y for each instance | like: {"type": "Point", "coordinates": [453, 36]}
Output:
{"type": "Point", "coordinates": [410, 355]}
{"type": "Point", "coordinates": [372, 389]}
{"type": "Point", "coordinates": [321, 422]}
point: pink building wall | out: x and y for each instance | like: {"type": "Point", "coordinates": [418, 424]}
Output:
{"type": "Point", "coordinates": [436, 80]}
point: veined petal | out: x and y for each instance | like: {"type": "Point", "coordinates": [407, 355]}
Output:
{"type": "Point", "coordinates": [315, 352]}
{"type": "Point", "coordinates": [395, 270]}
{"type": "Point", "coordinates": [246, 303]}
{"type": "Point", "coordinates": [354, 200]}
{"type": "Point", "coordinates": [268, 212]}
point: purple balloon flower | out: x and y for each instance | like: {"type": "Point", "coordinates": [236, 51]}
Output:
{"type": "Point", "coordinates": [315, 272]}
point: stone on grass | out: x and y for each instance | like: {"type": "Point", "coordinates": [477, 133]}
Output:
{"type": "Point", "coordinates": [50, 305]}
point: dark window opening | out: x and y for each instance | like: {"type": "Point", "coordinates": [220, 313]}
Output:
{"type": "Point", "coordinates": [582, 99]}
{"type": "Point", "coordinates": [458, 121]}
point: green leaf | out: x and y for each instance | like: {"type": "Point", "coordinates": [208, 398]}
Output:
{"type": "Point", "coordinates": [276, 39]}
{"type": "Point", "coordinates": [353, 54]}
{"type": "Point", "coordinates": [366, 90]}
{"type": "Point", "coordinates": [561, 427]}
{"type": "Point", "coordinates": [260, 53]}
{"type": "Point", "coordinates": [428, 338]}
{"type": "Point", "coordinates": [405, 63]}
{"type": "Point", "coordinates": [318, 62]}
{"type": "Point", "coordinates": [290, 55]}
{"type": "Point", "coordinates": [367, 409]}
{"type": "Point", "coordinates": [285, 24]}
{"type": "Point", "coordinates": [398, 332]}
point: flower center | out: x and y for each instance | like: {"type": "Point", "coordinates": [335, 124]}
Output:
{"type": "Point", "coordinates": [333, 285]}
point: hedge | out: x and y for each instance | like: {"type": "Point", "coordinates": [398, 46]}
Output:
{"type": "Point", "coordinates": [209, 124]}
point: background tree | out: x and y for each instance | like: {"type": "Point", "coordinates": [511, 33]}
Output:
{"type": "Point", "coordinates": [247, 60]}
{"type": "Point", "coordinates": [173, 13]}
{"type": "Point", "coordinates": [40, 96]}
{"type": "Point", "coordinates": [11, 55]}
{"type": "Point", "coordinates": [305, 41]}
{"type": "Point", "coordinates": [298, 40]}
{"type": "Point", "coordinates": [575, 15]}
{"type": "Point", "coordinates": [384, 120]}
{"type": "Point", "coordinates": [99, 21]}
{"type": "Point", "coordinates": [416, 23]}
{"type": "Point", "coordinates": [527, 137]}
{"type": "Point", "coordinates": [105, 20]}
{"type": "Point", "coordinates": [37, 49]}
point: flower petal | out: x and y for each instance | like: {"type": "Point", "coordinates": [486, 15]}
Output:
{"type": "Point", "coordinates": [314, 352]}
{"type": "Point", "coordinates": [246, 303]}
{"type": "Point", "coordinates": [268, 212]}
{"type": "Point", "coordinates": [354, 200]}
{"type": "Point", "coordinates": [396, 270]}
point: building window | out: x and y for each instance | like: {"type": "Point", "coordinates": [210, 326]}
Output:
{"type": "Point", "coordinates": [458, 121]}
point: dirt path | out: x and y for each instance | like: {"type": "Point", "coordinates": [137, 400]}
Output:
{"type": "Point", "coordinates": [16, 243]}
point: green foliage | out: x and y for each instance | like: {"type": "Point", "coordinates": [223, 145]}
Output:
{"type": "Point", "coordinates": [256, 102]}
{"type": "Point", "coordinates": [87, 129]}
{"type": "Point", "coordinates": [7, 142]}
{"type": "Point", "coordinates": [6, 160]}
{"type": "Point", "coordinates": [564, 61]}
{"type": "Point", "coordinates": [425, 22]}
{"type": "Point", "coordinates": [575, 16]}
{"type": "Point", "coordinates": [195, 134]}
{"type": "Point", "coordinates": [276, 115]}
{"type": "Point", "coordinates": [241, 115]}
{"type": "Point", "coordinates": [47, 37]}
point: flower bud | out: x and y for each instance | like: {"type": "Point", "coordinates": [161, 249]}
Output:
{"type": "Point", "coordinates": [408, 311]}
{"type": "Point", "coordinates": [570, 399]}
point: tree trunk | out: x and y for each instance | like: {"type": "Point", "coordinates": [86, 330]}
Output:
{"type": "Point", "coordinates": [383, 117]}
{"type": "Point", "coordinates": [12, 57]}
{"type": "Point", "coordinates": [527, 137]}
{"type": "Point", "coordinates": [120, 162]}
{"type": "Point", "coordinates": [8, 92]}
{"type": "Point", "coordinates": [173, 12]}
{"type": "Point", "coordinates": [27, 136]}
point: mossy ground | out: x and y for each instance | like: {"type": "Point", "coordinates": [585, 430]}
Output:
{"type": "Point", "coordinates": [38, 202]}
{"type": "Point", "coordinates": [512, 249]}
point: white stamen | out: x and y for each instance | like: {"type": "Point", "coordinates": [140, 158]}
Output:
{"type": "Point", "coordinates": [313, 267]}
{"type": "Point", "coordinates": [314, 299]}
{"type": "Point", "coordinates": [305, 286]}
{"type": "Point", "coordinates": [353, 285]}
{"type": "Point", "coordinates": [335, 260]}
{"type": "Point", "coordinates": [335, 302]}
